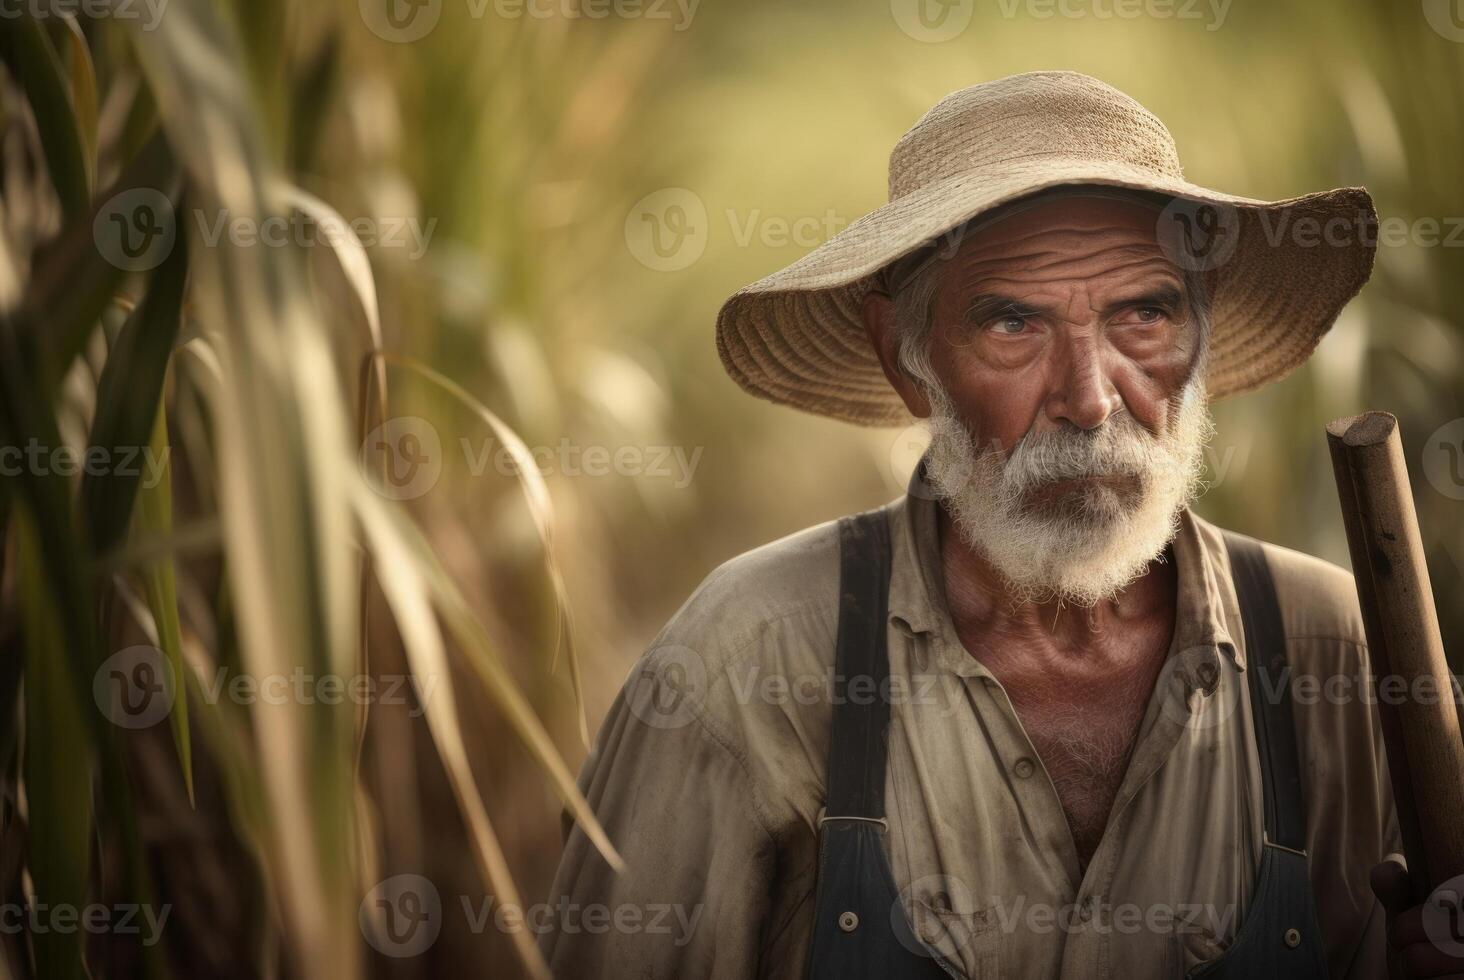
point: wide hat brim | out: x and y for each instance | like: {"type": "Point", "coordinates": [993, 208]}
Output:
{"type": "Point", "coordinates": [1278, 274]}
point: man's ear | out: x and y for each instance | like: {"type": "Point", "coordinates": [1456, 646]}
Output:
{"type": "Point", "coordinates": [879, 322]}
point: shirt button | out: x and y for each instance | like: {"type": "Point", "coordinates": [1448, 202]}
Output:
{"type": "Point", "coordinates": [1024, 768]}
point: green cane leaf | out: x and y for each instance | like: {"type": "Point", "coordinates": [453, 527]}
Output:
{"type": "Point", "coordinates": [33, 59]}
{"type": "Point", "coordinates": [154, 518]}
{"type": "Point", "coordinates": [128, 396]}
{"type": "Point", "coordinates": [58, 795]}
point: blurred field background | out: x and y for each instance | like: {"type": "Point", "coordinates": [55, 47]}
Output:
{"type": "Point", "coordinates": [541, 150]}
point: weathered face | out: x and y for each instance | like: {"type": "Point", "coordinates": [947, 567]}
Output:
{"type": "Point", "coordinates": [1059, 375]}
{"type": "Point", "coordinates": [1064, 313]}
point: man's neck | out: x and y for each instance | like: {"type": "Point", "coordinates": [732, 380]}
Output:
{"type": "Point", "coordinates": [983, 606]}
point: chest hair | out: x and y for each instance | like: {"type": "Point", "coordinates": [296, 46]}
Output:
{"type": "Point", "coordinates": [1085, 739]}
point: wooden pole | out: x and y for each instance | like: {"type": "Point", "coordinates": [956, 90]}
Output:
{"type": "Point", "coordinates": [1420, 722]}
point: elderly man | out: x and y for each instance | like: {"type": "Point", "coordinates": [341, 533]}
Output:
{"type": "Point", "coordinates": [1033, 718]}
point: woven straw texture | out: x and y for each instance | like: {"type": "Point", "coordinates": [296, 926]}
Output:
{"type": "Point", "coordinates": [1279, 272]}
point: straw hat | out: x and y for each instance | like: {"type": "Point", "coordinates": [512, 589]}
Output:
{"type": "Point", "coordinates": [1278, 272]}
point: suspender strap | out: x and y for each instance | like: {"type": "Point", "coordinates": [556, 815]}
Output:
{"type": "Point", "coordinates": [1280, 938]}
{"type": "Point", "coordinates": [860, 931]}
{"type": "Point", "coordinates": [1268, 677]}
{"type": "Point", "coordinates": [861, 722]}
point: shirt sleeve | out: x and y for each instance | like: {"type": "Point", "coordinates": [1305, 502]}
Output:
{"type": "Point", "coordinates": [1351, 819]}
{"type": "Point", "coordinates": [1371, 959]}
{"type": "Point", "coordinates": [1368, 802]}
{"type": "Point", "coordinates": [675, 799]}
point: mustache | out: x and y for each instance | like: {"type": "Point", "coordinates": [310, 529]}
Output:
{"type": "Point", "coordinates": [1081, 547]}
{"type": "Point", "coordinates": [1120, 447]}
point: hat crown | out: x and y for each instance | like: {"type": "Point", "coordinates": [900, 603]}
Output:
{"type": "Point", "coordinates": [1013, 123]}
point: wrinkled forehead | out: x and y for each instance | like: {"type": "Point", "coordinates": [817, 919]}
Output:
{"type": "Point", "coordinates": [1077, 225]}
{"type": "Point", "coordinates": [1066, 220]}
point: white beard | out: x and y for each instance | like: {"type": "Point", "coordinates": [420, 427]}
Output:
{"type": "Point", "coordinates": [1096, 540]}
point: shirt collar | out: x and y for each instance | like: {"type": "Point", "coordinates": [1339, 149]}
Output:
{"type": "Point", "coordinates": [1206, 606]}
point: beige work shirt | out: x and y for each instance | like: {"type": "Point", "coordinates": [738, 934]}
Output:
{"type": "Point", "coordinates": [708, 776]}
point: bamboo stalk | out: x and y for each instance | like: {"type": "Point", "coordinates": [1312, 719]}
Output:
{"type": "Point", "coordinates": [1421, 730]}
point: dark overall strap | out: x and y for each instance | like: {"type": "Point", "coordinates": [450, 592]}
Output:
{"type": "Point", "coordinates": [1280, 937]}
{"type": "Point", "coordinates": [1268, 678]}
{"type": "Point", "coordinates": [859, 926]}
{"type": "Point", "coordinates": [861, 724]}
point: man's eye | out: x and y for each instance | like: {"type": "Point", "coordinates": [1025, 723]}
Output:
{"type": "Point", "coordinates": [1149, 314]}
{"type": "Point", "coordinates": [1009, 324]}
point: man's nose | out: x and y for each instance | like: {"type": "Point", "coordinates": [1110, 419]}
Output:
{"type": "Point", "coordinates": [1082, 393]}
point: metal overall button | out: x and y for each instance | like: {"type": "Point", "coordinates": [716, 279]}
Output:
{"type": "Point", "coordinates": [1293, 938]}
{"type": "Point", "coordinates": [848, 921]}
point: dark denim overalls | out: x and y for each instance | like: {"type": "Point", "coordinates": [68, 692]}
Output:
{"type": "Point", "coordinates": [860, 928]}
